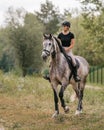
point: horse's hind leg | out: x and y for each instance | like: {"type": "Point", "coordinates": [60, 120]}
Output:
{"type": "Point", "coordinates": [61, 95]}
{"type": "Point", "coordinates": [79, 92]}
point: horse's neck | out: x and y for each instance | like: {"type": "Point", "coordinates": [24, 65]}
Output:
{"type": "Point", "coordinates": [56, 59]}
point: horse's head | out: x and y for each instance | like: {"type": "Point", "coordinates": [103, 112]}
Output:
{"type": "Point", "coordinates": [48, 46]}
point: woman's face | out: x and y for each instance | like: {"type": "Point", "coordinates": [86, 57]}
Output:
{"type": "Point", "coordinates": [65, 28]}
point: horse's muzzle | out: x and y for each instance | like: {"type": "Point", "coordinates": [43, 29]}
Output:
{"type": "Point", "coordinates": [44, 56]}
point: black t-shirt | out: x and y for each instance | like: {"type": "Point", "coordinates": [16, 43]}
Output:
{"type": "Point", "coordinates": [66, 39]}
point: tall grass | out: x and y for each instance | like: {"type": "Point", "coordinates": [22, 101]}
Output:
{"type": "Point", "coordinates": [27, 104]}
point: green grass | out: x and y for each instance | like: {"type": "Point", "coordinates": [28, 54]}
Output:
{"type": "Point", "coordinates": [27, 104]}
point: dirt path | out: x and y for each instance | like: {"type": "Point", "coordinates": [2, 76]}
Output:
{"type": "Point", "coordinates": [93, 87]}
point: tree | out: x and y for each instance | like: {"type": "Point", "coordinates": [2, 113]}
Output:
{"type": "Point", "coordinates": [26, 39]}
{"type": "Point", "coordinates": [49, 16]}
{"type": "Point", "coordinates": [6, 62]}
{"type": "Point", "coordinates": [93, 22]}
{"type": "Point", "coordinates": [6, 51]}
{"type": "Point", "coordinates": [35, 29]}
{"type": "Point", "coordinates": [15, 17]}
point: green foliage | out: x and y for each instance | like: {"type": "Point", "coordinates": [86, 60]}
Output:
{"type": "Point", "coordinates": [26, 40]}
{"type": "Point", "coordinates": [6, 51]}
{"type": "Point", "coordinates": [23, 49]}
{"type": "Point", "coordinates": [35, 30]}
{"type": "Point", "coordinates": [6, 63]}
{"type": "Point", "coordinates": [91, 5]}
{"type": "Point", "coordinates": [93, 23]}
{"type": "Point", "coordinates": [45, 72]}
{"type": "Point", "coordinates": [22, 40]}
{"type": "Point", "coordinates": [50, 16]}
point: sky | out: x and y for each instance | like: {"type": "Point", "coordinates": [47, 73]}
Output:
{"type": "Point", "coordinates": [34, 5]}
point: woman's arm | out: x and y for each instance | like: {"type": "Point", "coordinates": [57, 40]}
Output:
{"type": "Point", "coordinates": [71, 46]}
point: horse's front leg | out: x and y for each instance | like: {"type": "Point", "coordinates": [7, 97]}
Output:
{"type": "Point", "coordinates": [55, 101]}
{"type": "Point", "coordinates": [61, 95]}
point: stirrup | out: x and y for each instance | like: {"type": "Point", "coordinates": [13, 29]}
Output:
{"type": "Point", "coordinates": [47, 77]}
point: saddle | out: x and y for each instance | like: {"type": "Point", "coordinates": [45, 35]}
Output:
{"type": "Point", "coordinates": [69, 60]}
{"type": "Point", "coordinates": [77, 62]}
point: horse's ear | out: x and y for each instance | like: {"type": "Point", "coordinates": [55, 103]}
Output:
{"type": "Point", "coordinates": [44, 35]}
{"type": "Point", "coordinates": [50, 36]}
{"type": "Point", "coordinates": [47, 36]}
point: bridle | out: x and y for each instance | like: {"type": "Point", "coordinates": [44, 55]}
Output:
{"type": "Point", "coordinates": [47, 52]}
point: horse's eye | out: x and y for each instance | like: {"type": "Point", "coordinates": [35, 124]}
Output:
{"type": "Point", "coordinates": [49, 44]}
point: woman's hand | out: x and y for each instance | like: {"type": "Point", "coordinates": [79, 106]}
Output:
{"type": "Point", "coordinates": [66, 49]}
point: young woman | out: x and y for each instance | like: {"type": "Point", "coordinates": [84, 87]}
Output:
{"type": "Point", "coordinates": [68, 41]}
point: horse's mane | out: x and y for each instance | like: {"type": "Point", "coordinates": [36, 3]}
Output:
{"type": "Point", "coordinates": [60, 45]}
{"type": "Point", "coordinates": [68, 58]}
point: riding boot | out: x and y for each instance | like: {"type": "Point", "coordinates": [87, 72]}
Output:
{"type": "Point", "coordinates": [76, 77]}
{"type": "Point", "coordinates": [47, 77]}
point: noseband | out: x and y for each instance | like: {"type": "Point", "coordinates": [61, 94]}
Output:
{"type": "Point", "coordinates": [47, 52]}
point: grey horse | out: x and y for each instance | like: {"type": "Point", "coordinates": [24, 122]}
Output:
{"type": "Point", "coordinates": [61, 73]}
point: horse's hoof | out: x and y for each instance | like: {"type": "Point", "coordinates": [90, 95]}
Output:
{"type": "Point", "coordinates": [78, 112]}
{"type": "Point", "coordinates": [66, 109]}
{"type": "Point", "coordinates": [55, 114]}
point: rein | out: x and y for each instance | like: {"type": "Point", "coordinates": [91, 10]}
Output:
{"type": "Point", "coordinates": [68, 58]}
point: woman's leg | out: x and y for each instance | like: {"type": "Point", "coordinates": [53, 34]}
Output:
{"type": "Point", "coordinates": [76, 77]}
{"type": "Point", "coordinates": [72, 57]}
